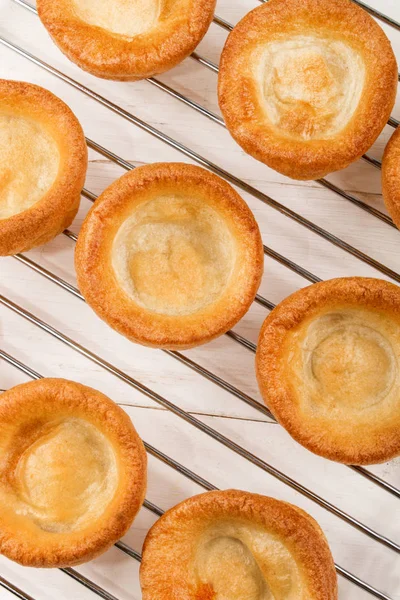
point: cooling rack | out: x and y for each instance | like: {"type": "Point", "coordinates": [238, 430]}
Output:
{"type": "Point", "coordinates": [372, 535]}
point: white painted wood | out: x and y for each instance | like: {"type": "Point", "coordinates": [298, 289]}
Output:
{"type": "Point", "coordinates": [116, 572]}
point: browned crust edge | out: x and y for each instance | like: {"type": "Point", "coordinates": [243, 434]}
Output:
{"type": "Point", "coordinates": [111, 56]}
{"type": "Point", "coordinates": [364, 448]}
{"type": "Point", "coordinates": [73, 398]}
{"type": "Point", "coordinates": [57, 208]}
{"type": "Point", "coordinates": [391, 177]}
{"type": "Point", "coordinates": [163, 571]}
{"type": "Point", "coordinates": [97, 281]}
{"type": "Point", "coordinates": [238, 95]}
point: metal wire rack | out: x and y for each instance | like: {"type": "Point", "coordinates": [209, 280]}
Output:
{"type": "Point", "coordinates": [247, 344]}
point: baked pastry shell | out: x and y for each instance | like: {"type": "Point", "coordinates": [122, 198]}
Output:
{"type": "Point", "coordinates": [112, 56]}
{"type": "Point", "coordinates": [56, 210]}
{"type": "Point", "coordinates": [97, 281]}
{"type": "Point", "coordinates": [46, 399]}
{"type": "Point", "coordinates": [240, 101]}
{"type": "Point", "coordinates": [353, 440]}
{"type": "Point", "coordinates": [171, 543]}
{"type": "Point", "coordinates": [391, 177]}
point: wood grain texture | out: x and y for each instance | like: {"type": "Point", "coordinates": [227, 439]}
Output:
{"type": "Point", "coordinates": [115, 571]}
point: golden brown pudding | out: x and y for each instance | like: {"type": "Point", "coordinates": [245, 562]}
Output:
{"type": "Point", "coordinates": [236, 545]}
{"type": "Point", "coordinates": [126, 39]}
{"type": "Point", "coordinates": [328, 368]}
{"type": "Point", "coordinates": [306, 87]}
{"type": "Point", "coordinates": [391, 177]}
{"type": "Point", "coordinates": [170, 256]}
{"type": "Point", "coordinates": [43, 161]}
{"type": "Point", "coordinates": [72, 473]}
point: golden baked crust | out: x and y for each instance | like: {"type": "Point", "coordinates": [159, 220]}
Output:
{"type": "Point", "coordinates": [43, 159]}
{"type": "Point", "coordinates": [306, 86]}
{"type": "Point", "coordinates": [126, 40]}
{"type": "Point", "coordinates": [170, 256]}
{"type": "Point", "coordinates": [72, 473]}
{"type": "Point", "coordinates": [391, 177]}
{"type": "Point", "coordinates": [328, 368]}
{"type": "Point", "coordinates": [233, 544]}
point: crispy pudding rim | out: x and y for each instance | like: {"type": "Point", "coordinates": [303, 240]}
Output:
{"type": "Point", "coordinates": [56, 209]}
{"type": "Point", "coordinates": [241, 100]}
{"type": "Point", "coordinates": [31, 406]}
{"type": "Point", "coordinates": [346, 429]}
{"type": "Point", "coordinates": [391, 176]}
{"type": "Point", "coordinates": [99, 284]}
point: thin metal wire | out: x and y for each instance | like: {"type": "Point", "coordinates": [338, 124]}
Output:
{"type": "Point", "coordinates": [292, 266]}
{"type": "Point", "coordinates": [377, 480]}
{"type": "Point", "coordinates": [205, 62]}
{"type": "Point", "coordinates": [357, 201]}
{"type": "Point", "coordinates": [239, 338]}
{"type": "Point", "coordinates": [7, 585]}
{"type": "Point", "coordinates": [202, 371]}
{"type": "Point", "coordinates": [222, 384]}
{"type": "Point", "coordinates": [180, 468]}
{"type": "Point", "coordinates": [366, 587]}
{"type": "Point", "coordinates": [333, 239]}
{"type": "Point", "coordinates": [87, 583]}
{"type": "Point", "coordinates": [378, 14]}
{"type": "Point", "coordinates": [214, 434]}
{"type": "Point", "coordinates": [90, 585]}
{"type": "Point", "coordinates": [222, 23]}
{"type": "Point", "coordinates": [373, 161]}
{"type": "Point", "coordinates": [197, 479]}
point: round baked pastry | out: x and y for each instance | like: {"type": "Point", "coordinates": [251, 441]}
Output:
{"type": "Point", "coordinates": [72, 473]}
{"type": "Point", "coordinates": [43, 161]}
{"type": "Point", "coordinates": [236, 545]}
{"type": "Point", "coordinates": [170, 256]}
{"type": "Point", "coordinates": [391, 177]}
{"type": "Point", "coordinates": [126, 39]}
{"type": "Point", "coordinates": [306, 87]}
{"type": "Point", "coordinates": [328, 368]}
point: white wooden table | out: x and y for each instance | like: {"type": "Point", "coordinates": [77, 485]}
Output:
{"type": "Point", "coordinates": [115, 571]}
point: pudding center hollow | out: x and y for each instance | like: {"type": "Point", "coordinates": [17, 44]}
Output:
{"type": "Point", "coordinates": [311, 86]}
{"type": "Point", "coordinates": [29, 161]}
{"type": "Point", "coordinates": [347, 362]}
{"type": "Point", "coordinates": [174, 255]}
{"type": "Point", "coordinates": [66, 476]}
{"type": "Point", "coordinates": [240, 563]}
{"type": "Point", "coordinates": [122, 17]}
